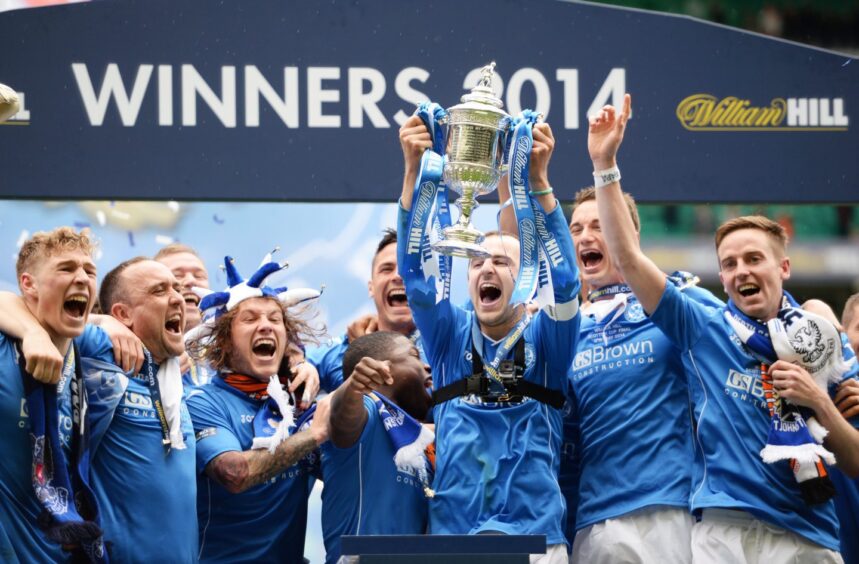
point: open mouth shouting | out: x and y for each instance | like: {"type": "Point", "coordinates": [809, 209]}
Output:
{"type": "Point", "coordinates": [76, 306]}
{"type": "Point", "coordinates": [591, 260]}
{"type": "Point", "coordinates": [396, 298]}
{"type": "Point", "coordinates": [489, 294]}
{"type": "Point", "coordinates": [264, 348]}
{"type": "Point", "coordinates": [192, 300]}
{"type": "Point", "coordinates": [174, 324]}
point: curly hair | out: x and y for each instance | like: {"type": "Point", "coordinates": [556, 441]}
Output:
{"type": "Point", "coordinates": [215, 345]}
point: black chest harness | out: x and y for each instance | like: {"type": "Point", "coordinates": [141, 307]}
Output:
{"type": "Point", "coordinates": [512, 378]}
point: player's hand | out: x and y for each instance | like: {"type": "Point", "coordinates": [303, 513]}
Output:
{"type": "Point", "coordinates": [364, 325]}
{"type": "Point", "coordinates": [414, 140]}
{"type": "Point", "coordinates": [796, 385]}
{"type": "Point", "coordinates": [42, 359]}
{"type": "Point", "coordinates": [605, 134]}
{"type": "Point", "coordinates": [369, 375]}
{"type": "Point", "coordinates": [541, 154]}
{"type": "Point", "coordinates": [319, 428]}
{"type": "Point", "coordinates": [127, 347]}
{"type": "Point", "coordinates": [847, 398]}
{"type": "Point", "coordinates": [305, 373]}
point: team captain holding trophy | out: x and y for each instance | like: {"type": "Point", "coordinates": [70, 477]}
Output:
{"type": "Point", "coordinates": [498, 371]}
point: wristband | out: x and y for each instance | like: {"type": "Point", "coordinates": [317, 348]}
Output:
{"type": "Point", "coordinates": [545, 192]}
{"type": "Point", "coordinates": [606, 177]}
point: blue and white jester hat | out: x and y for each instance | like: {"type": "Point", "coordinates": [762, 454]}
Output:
{"type": "Point", "coordinates": [214, 304]}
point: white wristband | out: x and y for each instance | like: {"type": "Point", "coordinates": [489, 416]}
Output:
{"type": "Point", "coordinates": [606, 177]}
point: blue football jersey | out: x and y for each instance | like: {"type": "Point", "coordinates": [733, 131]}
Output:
{"type": "Point", "coordinates": [732, 424]}
{"type": "Point", "coordinates": [570, 470]}
{"type": "Point", "coordinates": [147, 498]}
{"type": "Point", "coordinates": [497, 464]}
{"type": "Point", "coordinates": [629, 387]}
{"type": "Point", "coordinates": [21, 538]}
{"type": "Point", "coordinates": [365, 493]}
{"type": "Point", "coordinates": [265, 523]}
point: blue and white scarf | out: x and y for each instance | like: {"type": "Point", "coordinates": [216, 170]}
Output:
{"type": "Point", "coordinates": [410, 440]}
{"type": "Point", "coordinates": [64, 497]}
{"type": "Point", "coordinates": [812, 342]}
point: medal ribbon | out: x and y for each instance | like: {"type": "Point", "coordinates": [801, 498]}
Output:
{"type": "Point", "coordinates": [155, 393]}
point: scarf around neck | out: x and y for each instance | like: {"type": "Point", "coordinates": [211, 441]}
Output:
{"type": "Point", "coordinates": [69, 508]}
{"type": "Point", "coordinates": [812, 342]}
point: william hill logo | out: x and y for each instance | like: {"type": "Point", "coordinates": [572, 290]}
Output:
{"type": "Point", "coordinates": [704, 112]}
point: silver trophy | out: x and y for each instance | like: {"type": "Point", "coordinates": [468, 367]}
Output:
{"type": "Point", "coordinates": [476, 134]}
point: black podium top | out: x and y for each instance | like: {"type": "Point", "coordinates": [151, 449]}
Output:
{"type": "Point", "coordinates": [470, 549]}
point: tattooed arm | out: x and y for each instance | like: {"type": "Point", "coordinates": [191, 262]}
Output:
{"type": "Point", "coordinates": [239, 471]}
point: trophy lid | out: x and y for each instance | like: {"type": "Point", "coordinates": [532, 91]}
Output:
{"type": "Point", "coordinates": [481, 96]}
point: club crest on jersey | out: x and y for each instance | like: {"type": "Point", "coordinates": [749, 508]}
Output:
{"type": "Point", "coordinates": [634, 313]}
{"type": "Point", "coordinates": [530, 355]}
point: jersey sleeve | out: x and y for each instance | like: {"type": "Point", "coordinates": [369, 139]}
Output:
{"type": "Point", "coordinates": [434, 319]}
{"type": "Point", "coordinates": [564, 273]}
{"type": "Point", "coordinates": [681, 318]}
{"type": "Point", "coordinates": [328, 360]}
{"type": "Point", "coordinates": [369, 426]}
{"type": "Point", "coordinates": [211, 428]}
{"type": "Point", "coordinates": [557, 328]}
{"type": "Point", "coordinates": [94, 342]}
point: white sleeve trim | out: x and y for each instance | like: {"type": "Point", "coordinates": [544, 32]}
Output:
{"type": "Point", "coordinates": [563, 312]}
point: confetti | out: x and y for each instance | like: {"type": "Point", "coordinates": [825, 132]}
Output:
{"type": "Point", "coordinates": [164, 239]}
{"type": "Point", "coordinates": [101, 218]}
{"type": "Point", "coordinates": [131, 238]}
{"type": "Point", "coordinates": [81, 224]}
{"type": "Point", "coordinates": [21, 238]}
{"type": "Point", "coordinates": [218, 220]}
{"type": "Point", "coordinates": [173, 206]}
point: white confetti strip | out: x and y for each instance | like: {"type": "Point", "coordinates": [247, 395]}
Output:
{"type": "Point", "coordinates": [101, 218]}
{"type": "Point", "coordinates": [163, 239]}
{"type": "Point", "coordinates": [21, 238]}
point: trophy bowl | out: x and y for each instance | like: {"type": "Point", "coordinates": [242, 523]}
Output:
{"type": "Point", "coordinates": [474, 152]}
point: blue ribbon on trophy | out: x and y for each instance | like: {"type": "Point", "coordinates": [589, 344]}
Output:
{"type": "Point", "coordinates": [430, 189]}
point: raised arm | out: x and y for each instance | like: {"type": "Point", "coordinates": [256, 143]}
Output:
{"type": "Point", "coordinates": [348, 416]}
{"type": "Point", "coordinates": [605, 134]}
{"type": "Point", "coordinates": [414, 140]}
{"type": "Point", "coordinates": [538, 177]}
{"type": "Point", "coordinates": [239, 471]}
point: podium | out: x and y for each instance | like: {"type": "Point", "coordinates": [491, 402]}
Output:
{"type": "Point", "coordinates": [449, 549]}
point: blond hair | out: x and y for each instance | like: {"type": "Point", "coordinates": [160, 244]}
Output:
{"type": "Point", "coordinates": [44, 244]}
{"type": "Point", "coordinates": [175, 249]}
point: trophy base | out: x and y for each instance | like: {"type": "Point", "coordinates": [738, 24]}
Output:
{"type": "Point", "coordinates": [462, 249]}
{"type": "Point", "coordinates": [463, 242]}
